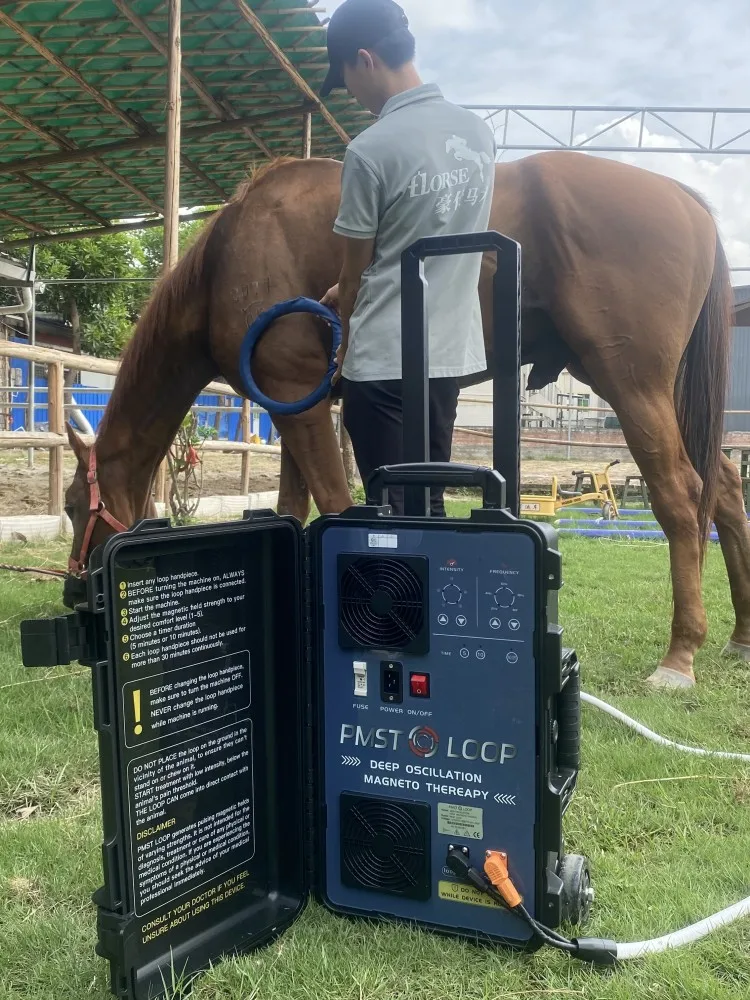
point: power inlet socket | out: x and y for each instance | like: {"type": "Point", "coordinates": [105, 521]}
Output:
{"type": "Point", "coordinates": [391, 682]}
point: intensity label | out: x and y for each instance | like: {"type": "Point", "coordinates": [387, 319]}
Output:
{"type": "Point", "coordinates": [457, 892]}
{"type": "Point", "coordinates": [460, 821]}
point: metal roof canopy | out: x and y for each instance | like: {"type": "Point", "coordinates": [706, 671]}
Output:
{"type": "Point", "coordinates": [83, 93]}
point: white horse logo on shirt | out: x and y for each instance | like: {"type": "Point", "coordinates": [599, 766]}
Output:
{"type": "Point", "coordinates": [460, 149]}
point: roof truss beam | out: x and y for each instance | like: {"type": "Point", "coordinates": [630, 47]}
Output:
{"type": "Point", "coordinates": [283, 60]}
{"type": "Point", "coordinates": [150, 141]}
{"type": "Point", "coordinates": [195, 84]}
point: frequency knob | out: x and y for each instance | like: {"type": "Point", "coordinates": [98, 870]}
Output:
{"type": "Point", "coordinates": [504, 597]}
{"type": "Point", "coordinates": [452, 594]}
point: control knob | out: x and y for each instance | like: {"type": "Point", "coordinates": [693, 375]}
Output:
{"type": "Point", "coordinates": [504, 597]}
{"type": "Point", "coordinates": [452, 594]}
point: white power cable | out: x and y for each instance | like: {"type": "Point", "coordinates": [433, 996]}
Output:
{"type": "Point", "coordinates": [654, 737]}
{"type": "Point", "coordinates": [637, 949]}
{"type": "Point", "coordinates": [687, 935]}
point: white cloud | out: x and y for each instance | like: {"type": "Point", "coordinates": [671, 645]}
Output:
{"type": "Point", "coordinates": [427, 17]}
{"type": "Point", "coordinates": [567, 52]}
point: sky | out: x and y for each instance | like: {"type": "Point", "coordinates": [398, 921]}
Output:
{"type": "Point", "coordinates": [665, 53]}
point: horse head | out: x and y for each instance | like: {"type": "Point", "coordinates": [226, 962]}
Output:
{"type": "Point", "coordinates": [92, 509]}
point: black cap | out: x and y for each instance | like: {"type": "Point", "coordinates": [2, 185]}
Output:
{"type": "Point", "coordinates": [358, 24]}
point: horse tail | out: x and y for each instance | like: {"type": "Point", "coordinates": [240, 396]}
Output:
{"type": "Point", "coordinates": [700, 391]}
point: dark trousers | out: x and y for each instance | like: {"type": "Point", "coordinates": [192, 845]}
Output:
{"type": "Point", "coordinates": [373, 418]}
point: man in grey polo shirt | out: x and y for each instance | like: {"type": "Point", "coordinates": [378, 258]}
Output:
{"type": "Point", "coordinates": [424, 168]}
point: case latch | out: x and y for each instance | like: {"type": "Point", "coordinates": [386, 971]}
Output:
{"type": "Point", "coordinates": [56, 642]}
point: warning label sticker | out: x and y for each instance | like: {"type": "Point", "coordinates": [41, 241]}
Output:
{"type": "Point", "coordinates": [458, 892]}
{"type": "Point", "coordinates": [460, 821]}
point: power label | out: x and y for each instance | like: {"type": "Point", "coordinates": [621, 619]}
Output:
{"type": "Point", "coordinates": [457, 892]}
{"type": "Point", "coordinates": [460, 821]}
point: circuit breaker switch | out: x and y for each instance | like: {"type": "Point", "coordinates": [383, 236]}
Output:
{"type": "Point", "coordinates": [419, 685]}
{"type": "Point", "coordinates": [360, 678]}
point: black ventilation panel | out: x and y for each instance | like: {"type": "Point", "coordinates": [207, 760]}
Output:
{"type": "Point", "coordinates": [383, 603]}
{"type": "Point", "coordinates": [385, 845]}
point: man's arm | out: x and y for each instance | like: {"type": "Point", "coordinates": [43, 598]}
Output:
{"type": "Point", "coordinates": [357, 226]}
{"type": "Point", "coordinates": [357, 258]}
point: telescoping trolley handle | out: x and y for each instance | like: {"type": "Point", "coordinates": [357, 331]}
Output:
{"type": "Point", "coordinates": [425, 475]}
{"type": "Point", "coordinates": [505, 366]}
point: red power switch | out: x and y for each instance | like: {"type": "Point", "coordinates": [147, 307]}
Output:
{"type": "Point", "coordinates": [419, 685]}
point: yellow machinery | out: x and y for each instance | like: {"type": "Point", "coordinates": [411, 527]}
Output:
{"type": "Point", "coordinates": [601, 493]}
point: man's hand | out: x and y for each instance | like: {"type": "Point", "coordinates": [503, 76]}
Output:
{"type": "Point", "coordinates": [331, 298]}
{"type": "Point", "coordinates": [339, 363]}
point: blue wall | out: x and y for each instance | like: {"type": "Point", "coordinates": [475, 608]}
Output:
{"type": "Point", "coordinates": [229, 427]}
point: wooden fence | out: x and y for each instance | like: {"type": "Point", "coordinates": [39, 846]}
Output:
{"type": "Point", "coordinates": [55, 440]}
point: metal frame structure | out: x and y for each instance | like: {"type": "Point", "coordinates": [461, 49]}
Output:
{"type": "Point", "coordinates": [528, 128]}
{"type": "Point", "coordinates": [86, 90]}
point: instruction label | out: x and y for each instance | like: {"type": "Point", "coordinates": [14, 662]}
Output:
{"type": "Point", "coordinates": [460, 821]}
{"type": "Point", "coordinates": [458, 892]}
{"type": "Point", "coordinates": [159, 706]}
{"type": "Point", "coordinates": [191, 815]}
{"type": "Point", "coordinates": [162, 617]}
{"type": "Point", "coordinates": [185, 698]}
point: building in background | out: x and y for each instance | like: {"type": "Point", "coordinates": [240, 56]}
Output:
{"type": "Point", "coordinates": [738, 397]}
{"type": "Point", "coordinates": [569, 403]}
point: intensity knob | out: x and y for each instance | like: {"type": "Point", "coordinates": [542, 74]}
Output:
{"type": "Point", "coordinates": [452, 594]}
{"type": "Point", "coordinates": [504, 597]}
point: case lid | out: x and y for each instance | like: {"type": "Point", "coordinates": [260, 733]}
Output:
{"type": "Point", "coordinates": [200, 705]}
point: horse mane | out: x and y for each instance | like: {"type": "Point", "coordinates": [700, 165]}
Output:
{"type": "Point", "coordinates": [704, 204]}
{"type": "Point", "coordinates": [173, 290]}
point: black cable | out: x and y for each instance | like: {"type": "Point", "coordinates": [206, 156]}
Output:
{"type": "Point", "coordinates": [599, 951]}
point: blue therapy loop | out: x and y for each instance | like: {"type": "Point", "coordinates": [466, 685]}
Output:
{"type": "Point", "coordinates": [256, 330]}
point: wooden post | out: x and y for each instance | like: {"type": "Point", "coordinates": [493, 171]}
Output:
{"type": "Point", "coordinates": [56, 420]}
{"type": "Point", "coordinates": [171, 175]}
{"type": "Point", "coordinates": [172, 152]}
{"type": "Point", "coordinates": [160, 487]}
{"type": "Point", "coordinates": [347, 454]}
{"type": "Point", "coordinates": [245, 437]}
{"type": "Point", "coordinates": [307, 135]}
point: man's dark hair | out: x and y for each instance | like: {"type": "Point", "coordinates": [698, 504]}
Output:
{"type": "Point", "coordinates": [397, 49]}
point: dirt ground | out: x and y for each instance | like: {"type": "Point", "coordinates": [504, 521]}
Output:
{"type": "Point", "coordinates": [25, 491]}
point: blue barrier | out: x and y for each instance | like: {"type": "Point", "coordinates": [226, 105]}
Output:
{"type": "Point", "coordinates": [622, 534]}
{"type": "Point", "coordinates": [88, 399]}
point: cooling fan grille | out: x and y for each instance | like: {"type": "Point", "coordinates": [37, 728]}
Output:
{"type": "Point", "coordinates": [385, 845]}
{"type": "Point", "coordinates": [382, 603]}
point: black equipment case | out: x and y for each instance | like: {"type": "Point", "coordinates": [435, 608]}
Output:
{"type": "Point", "coordinates": [285, 713]}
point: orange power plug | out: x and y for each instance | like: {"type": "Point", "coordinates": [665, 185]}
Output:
{"type": "Point", "coordinates": [496, 870]}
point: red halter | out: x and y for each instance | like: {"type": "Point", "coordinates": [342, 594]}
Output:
{"type": "Point", "coordinates": [77, 567]}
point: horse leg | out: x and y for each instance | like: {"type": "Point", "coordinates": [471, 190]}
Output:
{"type": "Point", "coordinates": [294, 496]}
{"type": "Point", "coordinates": [312, 442]}
{"type": "Point", "coordinates": [652, 433]}
{"type": "Point", "coordinates": [734, 537]}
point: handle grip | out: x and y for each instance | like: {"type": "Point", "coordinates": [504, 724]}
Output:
{"type": "Point", "coordinates": [569, 723]}
{"type": "Point", "coordinates": [439, 474]}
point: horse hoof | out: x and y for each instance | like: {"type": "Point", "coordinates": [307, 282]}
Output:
{"type": "Point", "coordinates": [665, 677]}
{"type": "Point", "coordinates": [737, 649]}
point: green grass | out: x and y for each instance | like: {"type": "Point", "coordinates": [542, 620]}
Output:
{"type": "Point", "coordinates": [663, 853]}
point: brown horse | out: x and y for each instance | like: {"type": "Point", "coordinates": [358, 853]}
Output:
{"type": "Point", "coordinates": [625, 284]}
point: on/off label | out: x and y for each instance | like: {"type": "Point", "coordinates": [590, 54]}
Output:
{"type": "Point", "coordinates": [458, 892]}
{"type": "Point", "coordinates": [460, 821]}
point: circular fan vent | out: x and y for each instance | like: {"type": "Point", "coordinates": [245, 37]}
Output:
{"type": "Point", "coordinates": [384, 846]}
{"type": "Point", "coordinates": [381, 603]}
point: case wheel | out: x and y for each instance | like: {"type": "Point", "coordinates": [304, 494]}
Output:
{"type": "Point", "coordinates": [577, 892]}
